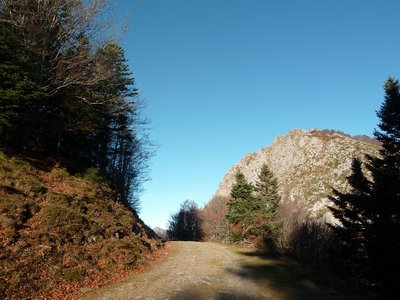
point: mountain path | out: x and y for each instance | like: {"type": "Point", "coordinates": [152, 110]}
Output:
{"type": "Point", "coordinates": [192, 270]}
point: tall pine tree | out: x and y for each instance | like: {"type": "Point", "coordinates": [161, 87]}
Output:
{"type": "Point", "coordinates": [350, 209]}
{"type": "Point", "coordinates": [20, 93]}
{"type": "Point", "coordinates": [383, 234]}
{"type": "Point", "coordinates": [370, 213]}
{"type": "Point", "coordinates": [240, 208]}
{"type": "Point", "coordinates": [66, 92]}
{"type": "Point", "coordinates": [241, 200]}
{"type": "Point", "coordinates": [267, 198]}
{"type": "Point", "coordinates": [252, 210]}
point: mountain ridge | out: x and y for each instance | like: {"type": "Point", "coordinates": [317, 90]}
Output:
{"type": "Point", "coordinates": [307, 165]}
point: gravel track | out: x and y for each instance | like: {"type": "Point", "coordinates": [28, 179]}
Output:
{"type": "Point", "coordinates": [192, 270]}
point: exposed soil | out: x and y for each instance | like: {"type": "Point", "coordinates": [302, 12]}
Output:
{"type": "Point", "coordinates": [207, 271]}
{"type": "Point", "coordinates": [190, 271]}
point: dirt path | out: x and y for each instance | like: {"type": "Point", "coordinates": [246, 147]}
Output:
{"type": "Point", "coordinates": [191, 271]}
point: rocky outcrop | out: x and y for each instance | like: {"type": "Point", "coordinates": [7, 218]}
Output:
{"type": "Point", "coordinates": [307, 165]}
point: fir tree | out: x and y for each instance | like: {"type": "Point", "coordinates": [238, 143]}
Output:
{"type": "Point", "coordinates": [241, 200]}
{"type": "Point", "coordinates": [252, 210]}
{"type": "Point", "coordinates": [20, 93]}
{"type": "Point", "coordinates": [370, 213]}
{"type": "Point", "coordinates": [66, 92]}
{"type": "Point", "coordinates": [240, 211]}
{"type": "Point", "coordinates": [383, 234]}
{"type": "Point", "coordinates": [350, 209]}
{"type": "Point", "coordinates": [268, 200]}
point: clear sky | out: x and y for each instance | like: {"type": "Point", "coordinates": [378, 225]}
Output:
{"type": "Point", "coordinates": [223, 78]}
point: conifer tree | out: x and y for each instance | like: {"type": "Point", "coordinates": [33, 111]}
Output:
{"type": "Point", "coordinates": [383, 234]}
{"type": "Point", "coordinates": [240, 204]}
{"type": "Point", "coordinates": [67, 92]}
{"type": "Point", "coordinates": [240, 210]}
{"type": "Point", "coordinates": [20, 92]}
{"type": "Point", "coordinates": [369, 214]}
{"type": "Point", "coordinates": [350, 209]}
{"type": "Point", "coordinates": [252, 210]}
{"type": "Point", "coordinates": [267, 197]}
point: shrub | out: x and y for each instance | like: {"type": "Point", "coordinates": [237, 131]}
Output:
{"type": "Point", "coordinates": [305, 237]}
{"type": "Point", "coordinates": [66, 223]}
{"type": "Point", "coordinates": [59, 172]}
{"type": "Point", "coordinates": [93, 175]}
{"type": "Point", "coordinates": [2, 155]}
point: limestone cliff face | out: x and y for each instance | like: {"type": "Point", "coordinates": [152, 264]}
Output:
{"type": "Point", "coordinates": [307, 164]}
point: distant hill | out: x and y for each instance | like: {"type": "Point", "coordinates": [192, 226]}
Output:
{"type": "Point", "coordinates": [306, 163]}
{"type": "Point", "coordinates": [60, 233]}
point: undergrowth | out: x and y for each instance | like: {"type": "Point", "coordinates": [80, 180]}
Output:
{"type": "Point", "coordinates": [56, 228]}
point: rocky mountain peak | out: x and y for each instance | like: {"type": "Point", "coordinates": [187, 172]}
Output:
{"type": "Point", "coordinates": [306, 163]}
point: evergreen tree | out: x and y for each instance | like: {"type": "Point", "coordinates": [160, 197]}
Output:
{"type": "Point", "coordinates": [350, 209]}
{"type": "Point", "coordinates": [120, 147]}
{"type": "Point", "coordinates": [252, 210]}
{"type": "Point", "coordinates": [268, 200]}
{"type": "Point", "coordinates": [383, 234]}
{"type": "Point", "coordinates": [239, 210]}
{"type": "Point", "coordinates": [66, 93]}
{"type": "Point", "coordinates": [241, 201]}
{"type": "Point", "coordinates": [370, 213]}
{"type": "Point", "coordinates": [20, 93]}
{"type": "Point", "coordinates": [267, 189]}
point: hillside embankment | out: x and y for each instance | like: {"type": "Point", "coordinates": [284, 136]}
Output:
{"type": "Point", "coordinates": [62, 234]}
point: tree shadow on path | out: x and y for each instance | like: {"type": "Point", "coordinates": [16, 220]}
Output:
{"type": "Point", "coordinates": [209, 293]}
{"type": "Point", "coordinates": [287, 279]}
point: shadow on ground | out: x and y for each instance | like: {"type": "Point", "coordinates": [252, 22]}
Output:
{"type": "Point", "coordinates": [287, 279]}
{"type": "Point", "coordinates": [208, 293]}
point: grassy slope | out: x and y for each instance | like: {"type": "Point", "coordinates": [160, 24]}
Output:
{"type": "Point", "coordinates": [60, 232]}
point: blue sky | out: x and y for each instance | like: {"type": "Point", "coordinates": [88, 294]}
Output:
{"type": "Point", "coordinates": [223, 78]}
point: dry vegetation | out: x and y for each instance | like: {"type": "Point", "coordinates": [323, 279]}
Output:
{"type": "Point", "coordinates": [60, 232]}
{"type": "Point", "coordinates": [214, 224]}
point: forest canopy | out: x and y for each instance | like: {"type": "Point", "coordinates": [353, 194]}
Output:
{"type": "Point", "coordinates": [66, 91]}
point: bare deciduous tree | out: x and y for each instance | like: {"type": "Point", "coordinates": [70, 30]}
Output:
{"type": "Point", "coordinates": [65, 37]}
{"type": "Point", "coordinates": [214, 221]}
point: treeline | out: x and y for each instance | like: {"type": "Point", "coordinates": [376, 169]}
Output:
{"type": "Point", "coordinates": [66, 91]}
{"type": "Point", "coordinates": [365, 241]}
{"type": "Point", "coordinates": [186, 223]}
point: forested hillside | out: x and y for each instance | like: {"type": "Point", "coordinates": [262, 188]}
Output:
{"type": "Point", "coordinates": [74, 149]}
{"type": "Point", "coordinates": [66, 90]}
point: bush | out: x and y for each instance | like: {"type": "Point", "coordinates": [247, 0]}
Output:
{"type": "Point", "coordinates": [66, 223]}
{"type": "Point", "coordinates": [307, 238]}
{"type": "Point", "coordinates": [2, 155]}
{"type": "Point", "coordinates": [93, 175]}
{"type": "Point", "coordinates": [59, 172]}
